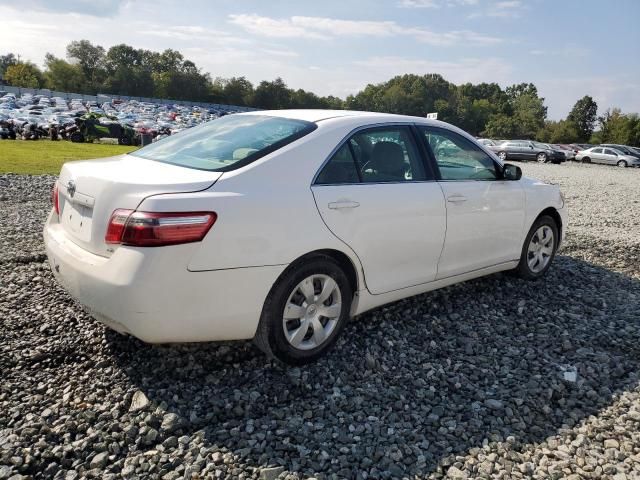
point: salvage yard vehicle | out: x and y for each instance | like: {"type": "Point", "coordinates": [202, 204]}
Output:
{"type": "Point", "coordinates": [608, 156]}
{"type": "Point", "coordinates": [527, 150]}
{"type": "Point", "coordinates": [281, 225]}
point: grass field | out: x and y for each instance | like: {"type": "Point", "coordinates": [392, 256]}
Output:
{"type": "Point", "coordinates": [45, 156]}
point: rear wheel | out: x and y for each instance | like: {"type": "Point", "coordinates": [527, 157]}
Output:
{"type": "Point", "coordinates": [76, 137]}
{"type": "Point", "coordinates": [539, 248]}
{"type": "Point", "coordinates": [622, 163]}
{"type": "Point", "coordinates": [542, 157]}
{"type": "Point", "coordinates": [305, 311]}
{"type": "Point", "coordinates": [502, 156]}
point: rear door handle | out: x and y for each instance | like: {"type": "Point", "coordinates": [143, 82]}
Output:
{"type": "Point", "coordinates": [456, 199]}
{"type": "Point", "coordinates": [343, 204]}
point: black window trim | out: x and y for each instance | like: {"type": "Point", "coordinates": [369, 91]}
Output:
{"type": "Point", "coordinates": [434, 162]}
{"type": "Point", "coordinates": [428, 168]}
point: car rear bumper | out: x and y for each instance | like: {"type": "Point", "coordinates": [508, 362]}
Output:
{"type": "Point", "coordinates": [150, 294]}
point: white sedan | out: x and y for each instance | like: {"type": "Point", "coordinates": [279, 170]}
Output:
{"type": "Point", "coordinates": [281, 225]}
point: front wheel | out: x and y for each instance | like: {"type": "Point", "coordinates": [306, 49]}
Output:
{"type": "Point", "coordinates": [305, 311]}
{"type": "Point", "coordinates": [622, 163]}
{"type": "Point", "coordinates": [539, 249]}
{"type": "Point", "coordinates": [502, 156]}
{"type": "Point", "coordinates": [542, 157]}
{"type": "Point", "coordinates": [586, 160]}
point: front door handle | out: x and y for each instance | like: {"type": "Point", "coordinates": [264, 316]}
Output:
{"type": "Point", "coordinates": [343, 204]}
{"type": "Point", "coordinates": [456, 199]}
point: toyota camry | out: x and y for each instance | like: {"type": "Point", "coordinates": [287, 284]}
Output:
{"type": "Point", "coordinates": [279, 226]}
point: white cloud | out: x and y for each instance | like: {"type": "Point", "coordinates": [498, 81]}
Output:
{"type": "Point", "coordinates": [419, 4]}
{"type": "Point", "coordinates": [435, 3]}
{"type": "Point", "coordinates": [98, 8]}
{"type": "Point", "coordinates": [326, 28]}
{"type": "Point", "coordinates": [466, 70]}
{"type": "Point", "coordinates": [502, 9]}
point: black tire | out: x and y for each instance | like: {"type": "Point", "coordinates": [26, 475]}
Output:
{"type": "Point", "coordinates": [270, 336]}
{"type": "Point", "coordinates": [124, 141]}
{"type": "Point", "coordinates": [76, 137]}
{"type": "Point", "coordinates": [586, 160]}
{"type": "Point", "coordinates": [542, 157]}
{"type": "Point", "coordinates": [523, 270]}
{"type": "Point", "coordinates": [622, 163]}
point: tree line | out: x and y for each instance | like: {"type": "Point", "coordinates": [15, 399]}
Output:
{"type": "Point", "coordinates": [484, 109]}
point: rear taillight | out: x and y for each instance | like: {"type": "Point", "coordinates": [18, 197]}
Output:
{"type": "Point", "coordinates": [154, 229]}
{"type": "Point", "coordinates": [55, 200]}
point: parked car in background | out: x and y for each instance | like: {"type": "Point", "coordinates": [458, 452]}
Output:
{"type": "Point", "coordinates": [194, 237]}
{"type": "Point", "coordinates": [569, 153]}
{"type": "Point", "coordinates": [622, 148]}
{"type": "Point", "coordinates": [608, 156]}
{"type": "Point", "coordinates": [585, 146]}
{"type": "Point", "coordinates": [527, 150]}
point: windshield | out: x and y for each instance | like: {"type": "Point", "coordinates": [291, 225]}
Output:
{"type": "Point", "coordinates": [226, 143]}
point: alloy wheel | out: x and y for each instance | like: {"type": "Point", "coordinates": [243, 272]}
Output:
{"type": "Point", "coordinates": [540, 249]}
{"type": "Point", "coordinates": [542, 158]}
{"type": "Point", "coordinates": [311, 312]}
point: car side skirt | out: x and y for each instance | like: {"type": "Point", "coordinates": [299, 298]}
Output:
{"type": "Point", "coordinates": [366, 301]}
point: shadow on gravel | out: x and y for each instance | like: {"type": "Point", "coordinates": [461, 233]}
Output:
{"type": "Point", "coordinates": [410, 385]}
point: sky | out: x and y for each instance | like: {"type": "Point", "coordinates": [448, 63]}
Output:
{"type": "Point", "coordinates": [567, 48]}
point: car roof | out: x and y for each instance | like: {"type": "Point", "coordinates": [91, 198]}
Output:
{"type": "Point", "coordinates": [318, 115]}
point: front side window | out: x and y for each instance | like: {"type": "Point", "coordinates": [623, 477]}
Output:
{"type": "Point", "coordinates": [609, 151]}
{"type": "Point", "coordinates": [458, 158]}
{"type": "Point", "coordinates": [376, 155]}
{"type": "Point", "coordinates": [226, 143]}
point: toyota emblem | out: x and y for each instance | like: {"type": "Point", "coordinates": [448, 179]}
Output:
{"type": "Point", "coordinates": [71, 188]}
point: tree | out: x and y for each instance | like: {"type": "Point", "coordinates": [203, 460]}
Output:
{"type": "Point", "coordinates": [563, 131]}
{"type": "Point", "coordinates": [234, 90]}
{"type": "Point", "coordinates": [6, 61]}
{"type": "Point", "coordinates": [62, 75]}
{"type": "Point", "coordinates": [583, 116]}
{"type": "Point", "coordinates": [501, 126]}
{"type": "Point", "coordinates": [91, 59]}
{"type": "Point", "coordinates": [24, 75]}
{"type": "Point", "coordinates": [272, 95]}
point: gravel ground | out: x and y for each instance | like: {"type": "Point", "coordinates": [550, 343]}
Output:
{"type": "Point", "coordinates": [494, 378]}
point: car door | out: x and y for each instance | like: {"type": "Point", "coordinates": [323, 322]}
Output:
{"type": "Point", "coordinates": [597, 155]}
{"type": "Point", "coordinates": [609, 156]}
{"type": "Point", "coordinates": [528, 151]}
{"type": "Point", "coordinates": [485, 213]}
{"type": "Point", "coordinates": [375, 194]}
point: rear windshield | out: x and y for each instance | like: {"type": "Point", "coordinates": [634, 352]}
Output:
{"type": "Point", "coordinates": [226, 143]}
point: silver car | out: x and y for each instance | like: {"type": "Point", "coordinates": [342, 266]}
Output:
{"type": "Point", "coordinates": [607, 155]}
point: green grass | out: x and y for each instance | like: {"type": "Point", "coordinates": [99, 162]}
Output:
{"type": "Point", "coordinates": [44, 156]}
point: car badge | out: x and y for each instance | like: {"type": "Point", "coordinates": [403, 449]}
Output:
{"type": "Point", "coordinates": [71, 188]}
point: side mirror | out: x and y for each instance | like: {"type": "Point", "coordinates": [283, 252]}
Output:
{"type": "Point", "coordinates": [511, 172]}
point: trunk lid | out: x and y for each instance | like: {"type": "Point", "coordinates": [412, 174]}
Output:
{"type": "Point", "coordinates": [90, 190]}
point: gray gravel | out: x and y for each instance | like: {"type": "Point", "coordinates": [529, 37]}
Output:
{"type": "Point", "coordinates": [494, 378]}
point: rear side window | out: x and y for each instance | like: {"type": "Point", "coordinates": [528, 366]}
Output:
{"type": "Point", "coordinates": [596, 150]}
{"type": "Point", "coordinates": [226, 143]}
{"type": "Point", "coordinates": [376, 155]}
{"type": "Point", "coordinates": [340, 169]}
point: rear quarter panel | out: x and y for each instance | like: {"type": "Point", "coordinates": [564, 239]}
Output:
{"type": "Point", "coordinates": [266, 211]}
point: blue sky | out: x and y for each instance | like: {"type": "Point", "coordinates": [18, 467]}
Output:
{"type": "Point", "coordinates": [567, 48]}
